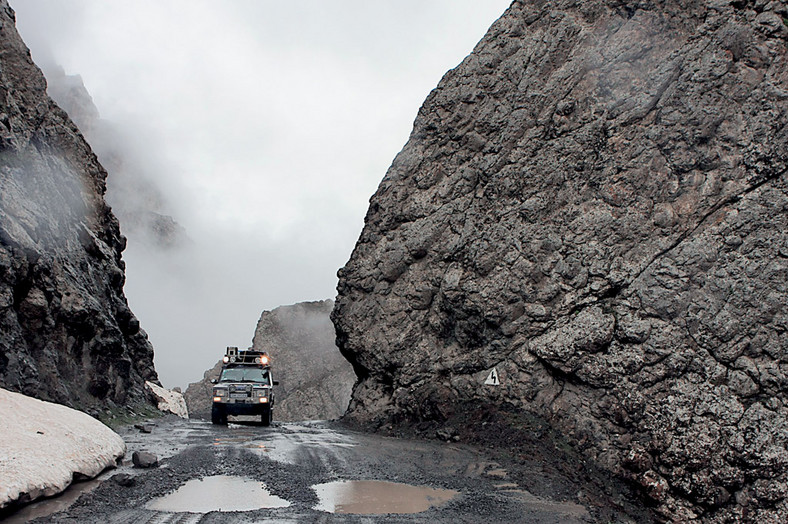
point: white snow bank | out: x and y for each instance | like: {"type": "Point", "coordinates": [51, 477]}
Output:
{"type": "Point", "coordinates": [168, 400]}
{"type": "Point", "coordinates": [43, 445]}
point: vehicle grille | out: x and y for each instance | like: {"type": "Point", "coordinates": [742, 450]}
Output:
{"type": "Point", "coordinates": [240, 391]}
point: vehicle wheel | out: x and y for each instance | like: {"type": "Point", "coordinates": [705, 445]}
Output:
{"type": "Point", "coordinates": [267, 417]}
{"type": "Point", "coordinates": [218, 416]}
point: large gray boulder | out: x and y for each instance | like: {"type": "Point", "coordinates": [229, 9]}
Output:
{"type": "Point", "coordinates": [594, 205]}
{"type": "Point", "coordinates": [314, 379]}
{"type": "Point", "coordinates": [66, 331]}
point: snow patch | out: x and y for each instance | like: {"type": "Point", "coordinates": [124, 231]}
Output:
{"type": "Point", "coordinates": [45, 445]}
{"type": "Point", "coordinates": [168, 400]}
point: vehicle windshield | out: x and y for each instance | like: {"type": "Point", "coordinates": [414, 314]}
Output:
{"type": "Point", "coordinates": [245, 374]}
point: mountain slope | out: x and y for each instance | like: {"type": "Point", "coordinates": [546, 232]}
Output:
{"type": "Point", "coordinates": [594, 205]}
{"type": "Point", "coordinates": [67, 333]}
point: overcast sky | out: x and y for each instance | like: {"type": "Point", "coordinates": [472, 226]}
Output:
{"type": "Point", "coordinates": [271, 123]}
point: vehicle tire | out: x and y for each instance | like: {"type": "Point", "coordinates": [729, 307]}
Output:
{"type": "Point", "coordinates": [218, 416]}
{"type": "Point", "coordinates": [267, 417]}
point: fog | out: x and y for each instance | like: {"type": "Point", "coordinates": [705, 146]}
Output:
{"type": "Point", "coordinates": [261, 127]}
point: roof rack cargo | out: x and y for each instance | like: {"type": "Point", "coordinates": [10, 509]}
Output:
{"type": "Point", "coordinates": [248, 356]}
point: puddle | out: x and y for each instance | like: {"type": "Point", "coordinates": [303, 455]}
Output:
{"type": "Point", "coordinates": [372, 497]}
{"type": "Point", "coordinates": [50, 506]}
{"type": "Point", "coordinates": [218, 493]}
{"type": "Point", "coordinates": [287, 444]}
{"type": "Point", "coordinates": [290, 443]}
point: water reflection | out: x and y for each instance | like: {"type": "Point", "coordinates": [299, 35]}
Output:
{"type": "Point", "coordinates": [218, 493]}
{"type": "Point", "coordinates": [372, 497]}
{"type": "Point", "coordinates": [50, 506]}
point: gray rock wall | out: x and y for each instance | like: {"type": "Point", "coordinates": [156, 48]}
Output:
{"type": "Point", "coordinates": [66, 332]}
{"type": "Point", "coordinates": [314, 380]}
{"type": "Point", "coordinates": [595, 204]}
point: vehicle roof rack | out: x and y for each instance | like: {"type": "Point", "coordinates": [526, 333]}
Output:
{"type": "Point", "coordinates": [233, 355]}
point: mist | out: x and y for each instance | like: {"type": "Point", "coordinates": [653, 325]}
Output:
{"type": "Point", "coordinates": [262, 128]}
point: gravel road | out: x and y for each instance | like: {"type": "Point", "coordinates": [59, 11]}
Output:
{"type": "Point", "coordinates": [316, 472]}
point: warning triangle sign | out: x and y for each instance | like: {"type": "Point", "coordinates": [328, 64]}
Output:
{"type": "Point", "coordinates": [492, 378]}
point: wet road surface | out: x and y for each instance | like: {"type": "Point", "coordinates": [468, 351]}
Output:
{"type": "Point", "coordinates": [306, 472]}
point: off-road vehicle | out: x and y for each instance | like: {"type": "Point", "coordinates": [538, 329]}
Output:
{"type": "Point", "coordinates": [244, 387]}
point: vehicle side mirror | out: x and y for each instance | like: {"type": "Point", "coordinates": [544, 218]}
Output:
{"type": "Point", "coordinates": [213, 381]}
{"type": "Point", "coordinates": [276, 382]}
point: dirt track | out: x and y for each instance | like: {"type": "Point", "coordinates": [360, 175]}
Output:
{"type": "Point", "coordinates": [290, 459]}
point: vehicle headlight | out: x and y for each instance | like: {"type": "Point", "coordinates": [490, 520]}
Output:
{"type": "Point", "coordinates": [260, 393]}
{"type": "Point", "coordinates": [220, 392]}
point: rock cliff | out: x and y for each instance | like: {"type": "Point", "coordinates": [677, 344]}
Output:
{"type": "Point", "coordinates": [132, 190]}
{"type": "Point", "coordinates": [314, 380]}
{"type": "Point", "coordinates": [66, 332]}
{"type": "Point", "coordinates": [594, 205]}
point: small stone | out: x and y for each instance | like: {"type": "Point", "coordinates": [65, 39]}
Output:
{"type": "Point", "coordinates": [124, 479]}
{"type": "Point", "coordinates": [447, 434]}
{"type": "Point", "coordinates": [144, 459]}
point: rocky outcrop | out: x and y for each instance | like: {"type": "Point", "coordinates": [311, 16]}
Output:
{"type": "Point", "coordinates": [66, 331]}
{"type": "Point", "coordinates": [47, 446]}
{"type": "Point", "coordinates": [594, 206]}
{"type": "Point", "coordinates": [314, 379]}
{"type": "Point", "coordinates": [167, 400]}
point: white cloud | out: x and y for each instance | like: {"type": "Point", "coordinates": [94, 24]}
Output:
{"type": "Point", "coordinates": [272, 124]}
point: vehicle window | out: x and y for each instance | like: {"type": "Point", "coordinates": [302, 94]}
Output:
{"type": "Point", "coordinates": [257, 375]}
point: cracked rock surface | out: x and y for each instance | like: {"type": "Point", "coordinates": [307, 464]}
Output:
{"type": "Point", "coordinates": [595, 204]}
{"type": "Point", "coordinates": [66, 331]}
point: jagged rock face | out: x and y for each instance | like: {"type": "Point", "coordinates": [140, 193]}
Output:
{"type": "Point", "coordinates": [315, 381]}
{"type": "Point", "coordinates": [66, 332]}
{"type": "Point", "coordinates": [595, 204]}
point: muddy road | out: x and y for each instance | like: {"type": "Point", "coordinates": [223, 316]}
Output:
{"type": "Point", "coordinates": [313, 472]}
